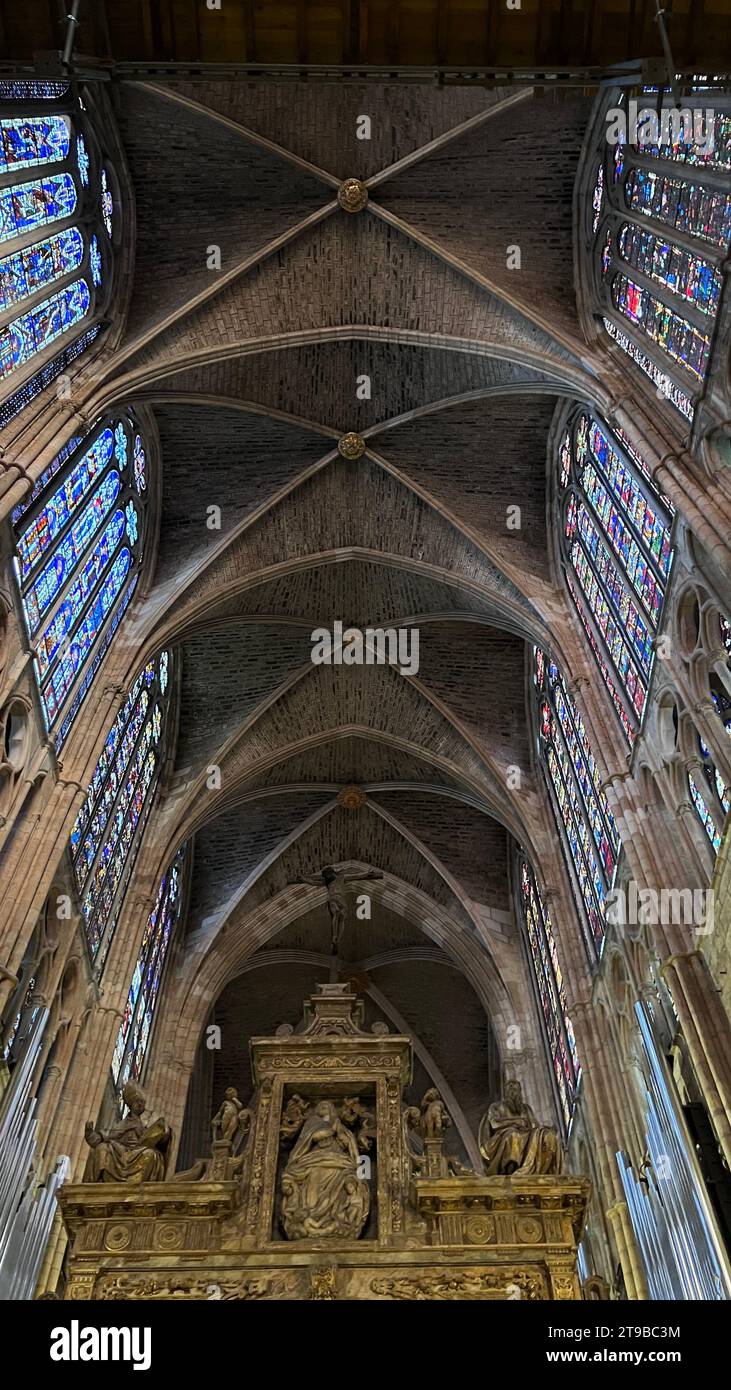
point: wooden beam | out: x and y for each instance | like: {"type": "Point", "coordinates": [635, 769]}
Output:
{"type": "Point", "coordinates": [148, 37]}
{"type": "Point", "coordinates": [351, 30]}
{"type": "Point", "coordinates": [167, 28]}
{"type": "Point", "coordinates": [101, 28]}
{"type": "Point", "coordinates": [392, 32]}
{"type": "Point", "coordinates": [442, 32]}
{"type": "Point", "coordinates": [493, 33]}
{"type": "Point", "coordinates": [250, 31]}
{"type": "Point", "coordinates": [302, 31]}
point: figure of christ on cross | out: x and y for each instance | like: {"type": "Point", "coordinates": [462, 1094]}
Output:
{"type": "Point", "coordinates": [333, 880]}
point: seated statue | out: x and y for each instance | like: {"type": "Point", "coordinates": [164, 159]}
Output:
{"type": "Point", "coordinates": [322, 1193]}
{"type": "Point", "coordinates": [512, 1141]}
{"type": "Point", "coordinates": [132, 1151]}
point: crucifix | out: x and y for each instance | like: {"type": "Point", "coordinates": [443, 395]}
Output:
{"type": "Point", "coordinates": [334, 880]}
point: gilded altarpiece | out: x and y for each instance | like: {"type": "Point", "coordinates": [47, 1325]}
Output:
{"type": "Point", "coordinates": [328, 1199]}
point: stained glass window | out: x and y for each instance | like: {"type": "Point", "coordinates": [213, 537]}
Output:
{"type": "Point", "coordinates": [139, 1011]}
{"type": "Point", "coordinates": [721, 702]}
{"type": "Point", "coordinates": [26, 1011]}
{"type": "Point", "coordinates": [690, 277]}
{"type": "Point", "coordinates": [598, 197]}
{"type": "Point", "coordinates": [651, 192]}
{"type": "Point", "coordinates": [109, 826]}
{"type": "Point", "coordinates": [53, 266]}
{"type": "Point", "coordinates": [674, 334]}
{"type": "Point", "coordinates": [45, 375]}
{"type": "Point", "coordinates": [707, 821]}
{"type": "Point", "coordinates": [79, 543]}
{"type": "Point", "coordinates": [23, 90]}
{"type": "Point", "coordinates": [617, 547]}
{"type": "Point", "coordinates": [713, 777]}
{"type": "Point", "coordinates": [660, 380]}
{"type": "Point", "coordinates": [580, 805]}
{"type": "Point", "coordinates": [551, 994]}
{"type": "Point", "coordinates": [698, 150]}
{"type": "Point", "coordinates": [677, 202]}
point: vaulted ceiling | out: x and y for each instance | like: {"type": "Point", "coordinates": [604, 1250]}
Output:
{"type": "Point", "coordinates": [250, 372]}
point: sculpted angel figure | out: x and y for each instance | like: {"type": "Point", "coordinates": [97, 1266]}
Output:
{"type": "Point", "coordinates": [434, 1117]}
{"type": "Point", "coordinates": [334, 880]}
{"type": "Point", "coordinates": [133, 1151]}
{"type": "Point", "coordinates": [230, 1116]}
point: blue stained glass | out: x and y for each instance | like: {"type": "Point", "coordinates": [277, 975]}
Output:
{"type": "Point", "coordinates": [638, 504]}
{"type": "Point", "coordinates": [38, 328]}
{"type": "Point", "coordinates": [95, 261]}
{"type": "Point", "coordinates": [610, 576]}
{"type": "Point", "coordinates": [114, 856]}
{"type": "Point", "coordinates": [139, 458]}
{"type": "Point", "coordinates": [706, 818]}
{"type": "Point", "coordinates": [677, 337]}
{"type": "Point", "coordinates": [65, 501]}
{"type": "Point", "coordinates": [114, 757]}
{"type": "Point", "coordinates": [130, 513]}
{"type": "Point", "coordinates": [138, 1016]}
{"type": "Point", "coordinates": [82, 159]}
{"type": "Point", "coordinates": [689, 277]}
{"type": "Point", "coordinates": [708, 148]}
{"type": "Point", "coordinates": [621, 516]}
{"type": "Point", "coordinates": [108, 828]}
{"type": "Point", "coordinates": [24, 272]}
{"type": "Point", "coordinates": [46, 374]}
{"type": "Point", "coordinates": [701, 211]}
{"type": "Point", "coordinates": [22, 90]}
{"type": "Point", "coordinates": [120, 445]}
{"type": "Point", "coordinates": [628, 727]}
{"type": "Point", "coordinates": [102, 647]}
{"type": "Point", "coordinates": [84, 582]}
{"type": "Point", "coordinates": [48, 473]}
{"type": "Point", "coordinates": [581, 808]}
{"type": "Point", "coordinates": [39, 597]}
{"type": "Point", "coordinates": [107, 203]}
{"type": "Point", "coordinates": [74, 656]}
{"type": "Point", "coordinates": [76, 562]}
{"type": "Point", "coordinates": [32, 140]}
{"type": "Point", "coordinates": [35, 204]}
{"type": "Point", "coordinates": [551, 994]}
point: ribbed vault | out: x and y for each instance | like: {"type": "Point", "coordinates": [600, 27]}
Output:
{"type": "Point", "coordinates": [253, 366]}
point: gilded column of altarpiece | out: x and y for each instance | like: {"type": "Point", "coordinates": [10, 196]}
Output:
{"type": "Point", "coordinates": [328, 1199]}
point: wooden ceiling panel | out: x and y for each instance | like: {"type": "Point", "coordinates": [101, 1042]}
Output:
{"type": "Point", "coordinates": [383, 32]}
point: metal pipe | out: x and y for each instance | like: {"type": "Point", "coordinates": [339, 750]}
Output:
{"type": "Point", "coordinates": [72, 23]}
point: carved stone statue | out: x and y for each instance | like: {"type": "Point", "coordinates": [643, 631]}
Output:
{"type": "Point", "coordinates": [322, 1194]}
{"type": "Point", "coordinates": [292, 1116]}
{"type": "Point", "coordinates": [132, 1151]}
{"type": "Point", "coordinates": [434, 1118]}
{"type": "Point", "coordinates": [358, 1117]}
{"type": "Point", "coordinates": [231, 1115]}
{"type": "Point", "coordinates": [413, 1142]}
{"type": "Point", "coordinates": [334, 880]}
{"type": "Point", "coordinates": [512, 1141]}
